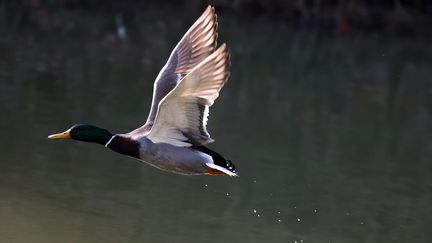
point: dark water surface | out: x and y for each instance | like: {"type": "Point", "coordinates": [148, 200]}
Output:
{"type": "Point", "coordinates": [331, 135]}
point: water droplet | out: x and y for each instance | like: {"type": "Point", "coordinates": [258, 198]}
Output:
{"type": "Point", "coordinates": [315, 210]}
{"type": "Point", "coordinates": [298, 220]}
{"type": "Point", "coordinates": [258, 215]}
{"type": "Point", "coordinates": [227, 194]}
{"type": "Point", "coordinates": [279, 220]}
{"type": "Point", "coordinates": [301, 240]}
{"type": "Point", "coordinates": [255, 211]}
{"type": "Point", "coordinates": [278, 212]}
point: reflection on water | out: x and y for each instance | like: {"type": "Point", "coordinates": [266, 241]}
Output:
{"type": "Point", "coordinates": [331, 136]}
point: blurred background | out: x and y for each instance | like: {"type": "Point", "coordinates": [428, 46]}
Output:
{"type": "Point", "coordinates": [327, 116]}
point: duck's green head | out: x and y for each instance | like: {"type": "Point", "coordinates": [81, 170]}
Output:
{"type": "Point", "coordinates": [86, 133]}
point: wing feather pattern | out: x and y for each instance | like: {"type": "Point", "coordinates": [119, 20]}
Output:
{"type": "Point", "coordinates": [182, 115]}
{"type": "Point", "coordinates": [197, 44]}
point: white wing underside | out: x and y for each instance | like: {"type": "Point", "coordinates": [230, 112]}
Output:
{"type": "Point", "coordinates": [182, 114]}
{"type": "Point", "coordinates": [197, 44]}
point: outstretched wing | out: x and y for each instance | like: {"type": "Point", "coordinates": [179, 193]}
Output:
{"type": "Point", "coordinates": [182, 115]}
{"type": "Point", "coordinates": [197, 44]}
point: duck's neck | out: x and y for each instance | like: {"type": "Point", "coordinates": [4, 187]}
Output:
{"type": "Point", "coordinates": [118, 142]}
{"type": "Point", "coordinates": [103, 139]}
{"type": "Point", "coordinates": [124, 145]}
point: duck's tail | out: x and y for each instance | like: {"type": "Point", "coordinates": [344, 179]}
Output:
{"type": "Point", "coordinates": [226, 169]}
{"type": "Point", "coordinates": [220, 165]}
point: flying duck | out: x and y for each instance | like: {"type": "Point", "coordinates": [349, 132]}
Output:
{"type": "Point", "coordinates": [174, 136]}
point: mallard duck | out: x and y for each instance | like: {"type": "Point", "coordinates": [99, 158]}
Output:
{"type": "Point", "coordinates": [174, 136]}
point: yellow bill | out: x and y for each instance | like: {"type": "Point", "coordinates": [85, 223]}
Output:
{"type": "Point", "coordinates": [63, 135]}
